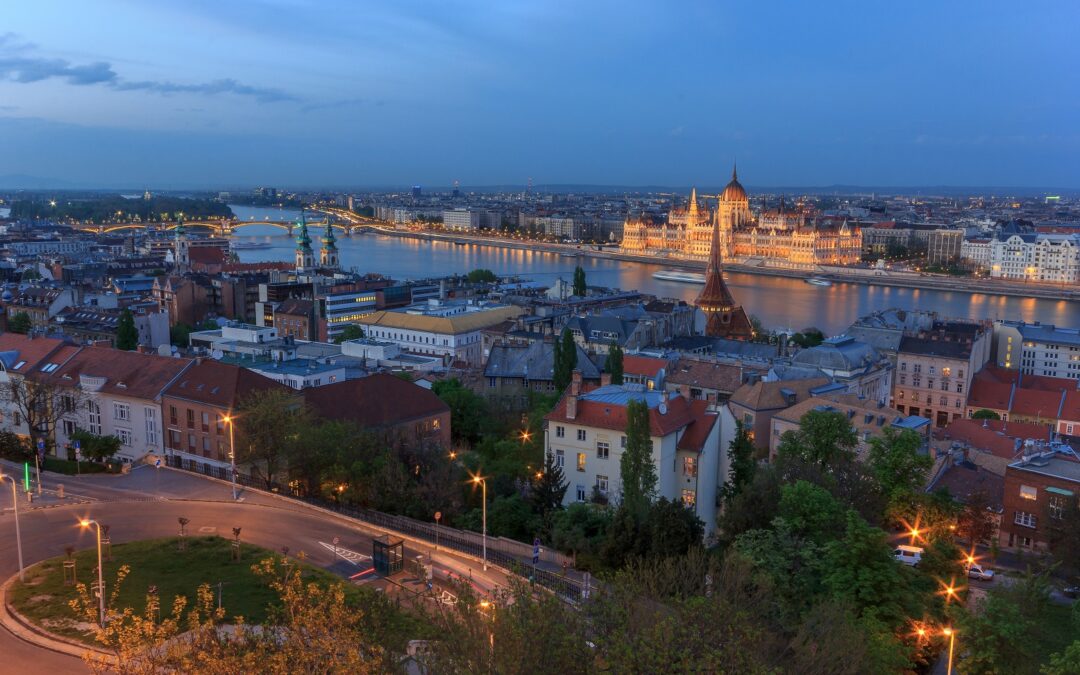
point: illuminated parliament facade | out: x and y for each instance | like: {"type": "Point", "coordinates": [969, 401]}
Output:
{"type": "Point", "coordinates": [777, 234]}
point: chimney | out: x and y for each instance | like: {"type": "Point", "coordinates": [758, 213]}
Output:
{"type": "Point", "coordinates": [575, 383]}
{"type": "Point", "coordinates": [605, 379]}
{"type": "Point", "coordinates": [571, 406]}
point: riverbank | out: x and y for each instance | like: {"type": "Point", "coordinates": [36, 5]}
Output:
{"type": "Point", "coordinates": [866, 277]}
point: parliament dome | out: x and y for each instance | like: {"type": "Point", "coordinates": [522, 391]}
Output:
{"type": "Point", "coordinates": [734, 192]}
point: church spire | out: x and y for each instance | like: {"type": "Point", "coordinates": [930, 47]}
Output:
{"type": "Point", "coordinates": [328, 253]}
{"type": "Point", "coordinates": [723, 318]}
{"type": "Point", "coordinates": [693, 208]}
{"type": "Point", "coordinates": [305, 259]}
{"type": "Point", "coordinates": [735, 170]}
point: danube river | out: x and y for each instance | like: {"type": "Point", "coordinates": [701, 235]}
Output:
{"type": "Point", "coordinates": [779, 302]}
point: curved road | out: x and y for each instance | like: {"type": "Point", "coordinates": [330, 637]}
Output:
{"type": "Point", "coordinates": [137, 508]}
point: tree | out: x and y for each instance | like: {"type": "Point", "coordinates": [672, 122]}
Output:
{"type": "Point", "coordinates": [613, 364]}
{"type": "Point", "coordinates": [673, 528]}
{"type": "Point", "coordinates": [1003, 632]}
{"type": "Point", "coordinates": [349, 332]}
{"type": "Point", "coordinates": [636, 469]}
{"type": "Point", "coordinates": [809, 337]}
{"type": "Point", "coordinates": [581, 530]}
{"type": "Point", "coordinates": [565, 360]}
{"type": "Point", "coordinates": [482, 276]}
{"type": "Point", "coordinates": [1062, 520]}
{"type": "Point", "coordinates": [579, 287]}
{"type": "Point", "coordinates": [20, 323]}
{"type": "Point", "coordinates": [896, 461]}
{"type": "Point", "coordinates": [741, 464]}
{"type": "Point", "coordinates": [268, 426]}
{"type": "Point", "coordinates": [985, 414]}
{"type": "Point", "coordinates": [548, 490]}
{"type": "Point", "coordinates": [975, 521]}
{"type": "Point", "coordinates": [42, 403]}
{"type": "Point", "coordinates": [1064, 663]}
{"type": "Point", "coordinates": [127, 336]}
{"type": "Point", "coordinates": [469, 415]}
{"type": "Point", "coordinates": [96, 448]}
{"type": "Point", "coordinates": [824, 438]}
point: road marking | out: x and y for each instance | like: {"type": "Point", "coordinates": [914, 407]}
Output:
{"type": "Point", "coordinates": [207, 529]}
{"type": "Point", "coordinates": [344, 553]}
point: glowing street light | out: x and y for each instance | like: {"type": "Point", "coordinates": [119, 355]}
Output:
{"type": "Point", "coordinates": [232, 453]}
{"type": "Point", "coordinates": [15, 505]}
{"type": "Point", "coordinates": [85, 523]}
{"type": "Point", "coordinates": [482, 482]}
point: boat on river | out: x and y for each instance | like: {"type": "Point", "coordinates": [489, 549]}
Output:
{"type": "Point", "coordinates": [818, 281]}
{"type": "Point", "coordinates": [680, 276]}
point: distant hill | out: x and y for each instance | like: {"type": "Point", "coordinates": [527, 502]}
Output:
{"type": "Point", "coordinates": [17, 181]}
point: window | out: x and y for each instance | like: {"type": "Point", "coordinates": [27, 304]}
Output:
{"type": "Point", "coordinates": [174, 439]}
{"type": "Point", "coordinates": [190, 418]}
{"type": "Point", "coordinates": [124, 435]}
{"type": "Point", "coordinates": [747, 420]}
{"type": "Point", "coordinates": [581, 461]}
{"type": "Point", "coordinates": [946, 372]}
{"type": "Point", "coordinates": [931, 371]}
{"type": "Point", "coordinates": [1028, 492]}
{"type": "Point", "coordinates": [191, 443]}
{"type": "Point", "coordinates": [95, 418]}
{"type": "Point", "coordinates": [121, 411]}
{"type": "Point", "coordinates": [917, 367]}
{"type": "Point", "coordinates": [960, 373]}
{"type": "Point", "coordinates": [944, 386]}
{"type": "Point", "coordinates": [689, 466]}
{"type": "Point", "coordinates": [959, 387]}
{"type": "Point", "coordinates": [903, 380]}
{"type": "Point", "coordinates": [601, 484]}
{"type": "Point", "coordinates": [69, 428]}
{"type": "Point", "coordinates": [602, 450]}
{"type": "Point", "coordinates": [150, 414]}
{"type": "Point", "coordinates": [622, 442]}
{"type": "Point", "coordinates": [1056, 506]}
{"type": "Point", "coordinates": [916, 381]}
{"type": "Point", "coordinates": [560, 458]}
{"type": "Point", "coordinates": [689, 498]}
{"type": "Point", "coordinates": [67, 403]}
{"type": "Point", "coordinates": [957, 404]}
{"type": "Point", "coordinates": [581, 434]}
{"type": "Point", "coordinates": [205, 422]}
{"type": "Point", "coordinates": [903, 366]}
{"type": "Point", "coordinates": [581, 493]}
{"type": "Point", "coordinates": [206, 446]}
{"type": "Point", "coordinates": [1025, 519]}
{"type": "Point", "coordinates": [172, 415]}
{"type": "Point", "coordinates": [560, 432]}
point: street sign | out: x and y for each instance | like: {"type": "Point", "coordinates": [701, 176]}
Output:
{"type": "Point", "coordinates": [438, 515]}
{"type": "Point", "coordinates": [336, 541]}
{"type": "Point", "coordinates": [41, 449]}
{"type": "Point", "coordinates": [157, 463]}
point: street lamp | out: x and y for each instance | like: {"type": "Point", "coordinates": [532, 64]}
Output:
{"type": "Point", "coordinates": [232, 454]}
{"type": "Point", "coordinates": [952, 641]}
{"type": "Point", "coordinates": [87, 522]}
{"type": "Point", "coordinates": [483, 485]}
{"type": "Point", "coordinates": [15, 504]}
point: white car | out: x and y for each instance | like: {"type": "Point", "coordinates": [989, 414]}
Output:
{"type": "Point", "coordinates": [977, 571]}
{"type": "Point", "coordinates": [909, 555]}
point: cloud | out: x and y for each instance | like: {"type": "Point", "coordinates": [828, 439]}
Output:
{"type": "Point", "coordinates": [225, 86]}
{"type": "Point", "coordinates": [28, 69]}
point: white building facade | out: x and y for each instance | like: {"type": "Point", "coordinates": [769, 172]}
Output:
{"type": "Point", "coordinates": [1051, 258]}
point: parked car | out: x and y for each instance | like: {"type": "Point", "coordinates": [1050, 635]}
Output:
{"type": "Point", "coordinates": [1071, 591]}
{"type": "Point", "coordinates": [909, 555]}
{"type": "Point", "coordinates": [977, 571]}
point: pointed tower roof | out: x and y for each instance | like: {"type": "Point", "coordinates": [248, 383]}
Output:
{"type": "Point", "coordinates": [303, 240]}
{"type": "Point", "coordinates": [715, 296]}
{"type": "Point", "coordinates": [693, 208]}
{"type": "Point", "coordinates": [328, 241]}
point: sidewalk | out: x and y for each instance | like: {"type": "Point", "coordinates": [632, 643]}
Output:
{"type": "Point", "coordinates": [26, 631]}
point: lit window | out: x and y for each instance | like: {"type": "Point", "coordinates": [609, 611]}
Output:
{"type": "Point", "coordinates": [581, 461]}
{"type": "Point", "coordinates": [1028, 492]}
{"type": "Point", "coordinates": [689, 498]}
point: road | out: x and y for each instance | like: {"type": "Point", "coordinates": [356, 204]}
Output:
{"type": "Point", "coordinates": [147, 504]}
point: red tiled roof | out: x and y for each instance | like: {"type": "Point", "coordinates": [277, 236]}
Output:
{"type": "Point", "coordinates": [693, 439]}
{"type": "Point", "coordinates": [612, 416]}
{"type": "Point", "coordinates": [31, 350]}
{"type": "Point", "coordinates": [643, 365]}
{"type": "Point", "coordinates": [379, 400]}
{"type": "Point", "coordinates": [219, 384]}
{"type": "Point", "coordinates": [207, 255]}
{"type": "Point", "coordinates": [132, 374]}
{"type": "Point", "coordinates": [994, 436]}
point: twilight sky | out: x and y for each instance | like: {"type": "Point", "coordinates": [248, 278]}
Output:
{"type": "Point", "coordinates": [230, 93]}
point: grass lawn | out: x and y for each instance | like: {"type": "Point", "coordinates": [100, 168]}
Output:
{"type": "Point", "coordinates": [43, 598]}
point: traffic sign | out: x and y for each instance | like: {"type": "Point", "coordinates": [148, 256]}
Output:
{"type": "Point", "coordinates": [336, 541]}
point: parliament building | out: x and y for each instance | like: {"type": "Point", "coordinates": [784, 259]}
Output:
{"type": "Point", "coordinates": [779, 234]}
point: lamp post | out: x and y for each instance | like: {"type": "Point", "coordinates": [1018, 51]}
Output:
{"type": "Point", "coordinates": [952, 641]}
{"type": "Point", "coordinates": [15, 504]}
{"type": "Point", "coordinates": [483, 484]}
{"type": "Point", "coordinates": [87, 522]}
{"type": "Point", "coordinates": [232, 454]}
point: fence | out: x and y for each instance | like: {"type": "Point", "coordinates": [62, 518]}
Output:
{"type": "Point", "coordinates": [509, 554]}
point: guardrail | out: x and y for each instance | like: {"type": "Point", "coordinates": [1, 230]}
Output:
{"type": "Point", "coordinates": [509, 554]}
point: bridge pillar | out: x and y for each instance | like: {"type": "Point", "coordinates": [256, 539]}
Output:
{"type": "Point", "coordinates": [101, 229]}
{"type": "Point", "coordinates": [290, 229]}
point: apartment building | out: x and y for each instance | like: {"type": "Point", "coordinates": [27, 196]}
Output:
{"type": "Point", "coordinates": [934, 369]}
{"type": "Point", "coordinates": [586, 436]}
{"type": "Point", "coordinates": [1037, 348]}
{"type": "Point", "coordinates": [1038, 489]}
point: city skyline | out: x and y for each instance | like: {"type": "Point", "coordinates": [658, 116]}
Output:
{"type": "Point", "coordinates": [187, 96]}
